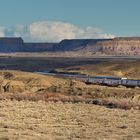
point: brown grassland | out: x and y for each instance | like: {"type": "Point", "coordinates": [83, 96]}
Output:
{"type": "Point", "coordinates": [58, 121]}
{"type": "Point", "coordinates": [38, 107]}
{"type": "Point", "coordinates": [41, 107]}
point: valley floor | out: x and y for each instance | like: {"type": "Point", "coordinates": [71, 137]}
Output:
{"type": "Point", "coordinates": [26, 120]}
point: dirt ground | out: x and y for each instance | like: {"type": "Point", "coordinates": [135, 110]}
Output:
{"type": "Point", "coordinates": [41, 120]}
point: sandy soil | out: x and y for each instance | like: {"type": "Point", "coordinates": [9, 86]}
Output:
{"type": "Point", "coordinates": [26, 120]}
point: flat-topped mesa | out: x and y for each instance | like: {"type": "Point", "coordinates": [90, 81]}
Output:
{"type": "Point", "coordinates": [116, 46]}
{"type": "Point", "coordinates": [11, 44]}
{"type": "Point", "coordinates": [16, 44]}
{"type": "Point", "coordinates": [11, 40]}
{"type": "Point", "coordinates": [76, 44]}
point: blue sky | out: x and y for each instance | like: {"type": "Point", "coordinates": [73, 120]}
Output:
{"type": "Point", "coordinates": [114, 17]}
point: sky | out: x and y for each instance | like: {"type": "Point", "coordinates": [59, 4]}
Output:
{"type": "Point", "coordinates": [54, 20]}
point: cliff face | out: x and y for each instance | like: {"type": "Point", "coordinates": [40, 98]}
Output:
{"type": "Point", "coordinates": [116, 46]}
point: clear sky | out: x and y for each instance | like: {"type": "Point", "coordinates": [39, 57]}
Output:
{"type": "Point", "coordinates": [115, 17]}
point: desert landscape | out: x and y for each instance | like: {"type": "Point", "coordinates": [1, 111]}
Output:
{"type": "Point", "coordinates": [70, 70]}
{"type": "Point", "coordinates": [36, 106]}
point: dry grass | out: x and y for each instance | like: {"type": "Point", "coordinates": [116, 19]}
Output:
{"type": "Point", "coordinates": [46, 107]}
{"type": "Point", "coordinates": [53, 97]}
{"type": "Point", "coordinates": [117, 103]}
{"type": "Point", "coordinates": [58, 97]}
{"type": "Point", "coordinates": [57, 121]}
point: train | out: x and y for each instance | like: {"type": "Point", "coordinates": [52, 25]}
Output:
{"type": "Point", "coordinates": [100, 80]}
{"type": "Point", "coordinates": [110, 81]}
{"type": "Point", "coordinates": [106, 80]}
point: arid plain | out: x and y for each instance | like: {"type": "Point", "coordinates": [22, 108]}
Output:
{"type": "Point", "coordinates": [47, 120]}
{"type": "Point", "coordinates": [35, 106]}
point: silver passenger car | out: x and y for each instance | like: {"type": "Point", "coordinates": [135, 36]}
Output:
{"type": "Point", "coordinates": [130, 82]}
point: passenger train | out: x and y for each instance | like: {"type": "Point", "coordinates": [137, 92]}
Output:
{"type": "Point", "coordinates": [111, 81]}
{"type": "Point", "coordinates": [102, 80]}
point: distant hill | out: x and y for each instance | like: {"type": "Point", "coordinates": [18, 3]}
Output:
{"type": "Point", "coordinates": [11, 45]}
{"type": "Point", "coordinates": [75, 44]}
{"type": "Point", "coordinates": [38, 47]}
{"type": "Point", "coordinates": [18, 45]}
{"type": "Point", "coordinates": [116, 46]}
